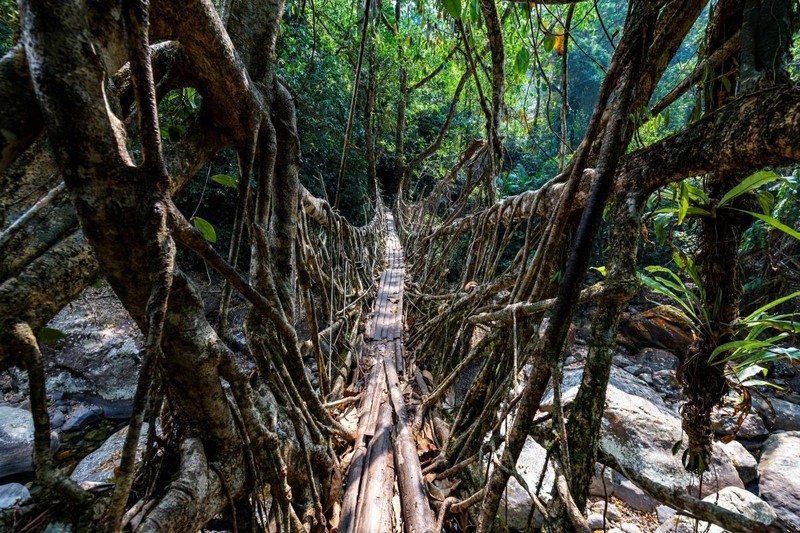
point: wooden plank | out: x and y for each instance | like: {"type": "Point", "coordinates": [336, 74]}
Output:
{"type": "Point", "coordinates": [367, 504]}
{"type": "Point", "coordinates": [378, 476]}
{"type": "Point", "coordinates": [417, 513]}
{"type": "Point", "coordinates": [377, 396]}
{"type": "Point", "coordinates": [354, 474]}
{"type": "Point", "coordinates": [399, 358]}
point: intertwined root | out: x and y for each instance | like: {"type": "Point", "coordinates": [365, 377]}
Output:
{"type": "Point", "coordinates": [704, 385]}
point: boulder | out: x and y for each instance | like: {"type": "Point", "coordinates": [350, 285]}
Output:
{"type": "Point", "coordinates": [639, 431]}
{"type": "Point", "coordinates": [83, 416]}
{"type": "Point", "coordinates": [13, 494]}
{"type": "Point", "coordinates": [781, 415]}
{"type": "Point", "coordinates": [640, 435]}
{"type": "Point", "coordinates": [16, 441]}
{"type": "Point", "coordinates": [656, 359]}
{"type": "Point", "coordinates": [724, 421]}
{"type": "Point", "coordinates": [601, 483]}
{"type": "Point", "coordinates": [731, 498]}
{"type": "Point", "coordinates": [742, 460]}
{"type": "Point", "coordinates": [98, 466]}
{"type": "Point", "coordinates": [57, 418]}
{"type": "Point", "coordinates": [516, 503]}
{"type": "Point", "coordinates": [98, 360]}
{"type": "Point", "coordinates": [610, 510]}
{"type": "Point", "coordinates": [633, 496]}
{"type": "Point", "coordinates": [664, 512]}
{"type": "Point", "coordinates": [612, 483]}
{"type": "Point", "coordinates": [782, 368]}
{"type": "Point", "coordinates": [779, 473]}
{"type": "Point", "coordinates": [619, 379]}
{"type": "Point", "coordinates": [666, 384]}
{"type": "Point", "coordinates": [659, 327]}
{"type": "Point", "coordinates": [596, 521]}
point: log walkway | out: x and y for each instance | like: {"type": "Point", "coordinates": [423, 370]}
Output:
{"type": "Point", "coordinates": [385, 456]}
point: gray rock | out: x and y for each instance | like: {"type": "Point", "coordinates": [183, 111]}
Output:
{"type": "Point", "coordinates": [782, 368]}
{"type": "Point", "coordinates": [665, 383]}
{"type": "Point", "coordinates": [795, 383]}
{"type": "Point", "coordinates": [57, 418]}
{"type": "Point", "coordinates": [725, 422]}
{"type": "Point", "coordinates": [596, 521]}
{"type": "Point", "coordinates": [663, 513]}
{"type": "Point", "coordinates": [633, 369]}
{"type": "Point", "coordinates": [621, 361]}
{"type": "Point", "coordinates": [83, 416]}
{"type": "Point", "coordinates": [742, 460]}
{"type": "Point", "coordinates": [16, 441]}
{"type": "Point", "coordinates": [13, 494]}
{"type": "Point", "coordinates": [647, 378]}
{"type": "Point", "coordinates": [98, 360]}
{"type": "Point", "coordinates": [622, 488]}
{"type": "Point", "coordinates": [6, 382]}
{"type": "Point", "coordinates": [530, 464]}
{"type": "Point", "coordinates": [629, 528]}
{"type": "Point", "coordinates": [640, 435]}
{"type": "Point", "coordinates": [656, 359]}
{"type": "Point", "coordinates": [779, 473]}
{"type": "Point", "coordinates": [601, 484]}
{"type": "Point", "coordinates": [633, 496]}
{"type": "Point", "coordinates": [782, 416]}
{"type": "Point", "coordinates": [609, 509]}
{"type": "Point", "coordinates": [619, 379]}
{"type": "Point", "coordinates": [99, 465]}
{"type": "Point", "coordinates": [731, 498]}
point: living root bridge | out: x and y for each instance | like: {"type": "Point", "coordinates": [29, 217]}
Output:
{"type": "Point", "coordinates": [385, 446]}
{"type": "Point", "coordinates": [717, 142]}
{"type": "Point", "coordinates": [222, 429]}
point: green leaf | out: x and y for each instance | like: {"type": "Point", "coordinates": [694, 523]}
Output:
{"type": "Point", "coordinates": [750, 371]}
{"type": "Point", "coordinates": [601, 269]}
{"type": "Point", "coordinates": [748, 184]}
{"type": "Point", "coordinates": [683, 202]}
{"type": "Point", "coordinates": [780, 325]}
{"type": "Point", "coordinates": [743, 345]}
{"type": "Point", "coordinates": [759, 383]}
{"type": "Point", "coordinates": [474, 11]}
{"type": "Point", "coordinates": [696, 194]}
{"type": "Point", "coordinates": [225, 180]}
{"type": "Point", "coordinates": [98, 284]}
{"type": "Point", "coordinates": [49, 335]}
{"type": "Point", "coordinates": [685, 263]}
{"type": "Point", "coordinates": [205, 228]}
{"type": "Point", "coordinates": [774, 303]}
{"type": "Point", "coordinates": [522, 61]}
{"type": "Point", "coordinates": [666, 118]}
{"type": "Point", "coordinates": [774, 223]}
{"type": "Point", "coordinates": [677, 447]}
{"type": "Point", "coordinates": [659, 288]}
{"type": "Point", "coordinates": [660, 223]}
{"type": "Point", "coordinates": [549, 42]}
{"type": "Point", "coordinates": [453, 8]}
{"type": "Point", "coordinates": [766, 200]}
{"type": "Point", "coordinates": [726, 83]}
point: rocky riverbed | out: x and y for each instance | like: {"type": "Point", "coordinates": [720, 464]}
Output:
{"type": "Point", "coordinates": [755, 469]}
{"type": "Point", "coordinates": [91, 375]}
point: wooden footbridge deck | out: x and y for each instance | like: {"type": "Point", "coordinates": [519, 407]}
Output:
{"type": "Point", "coordinates": [385, 452]}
